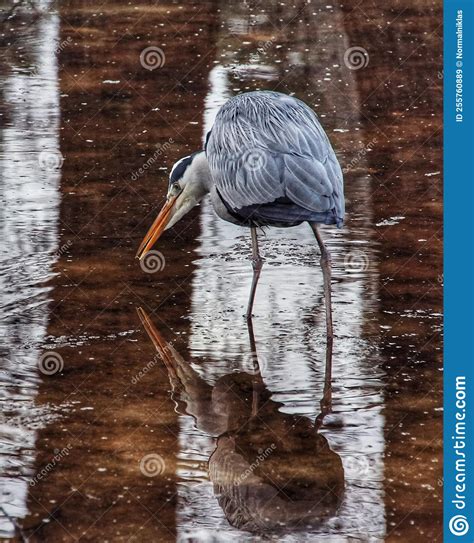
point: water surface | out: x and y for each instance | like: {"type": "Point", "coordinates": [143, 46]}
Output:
{"type": "Point", "coordinates": [78, 444]}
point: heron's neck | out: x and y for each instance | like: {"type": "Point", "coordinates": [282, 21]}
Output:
{"type": "Point", "coordinates": [201, 173]}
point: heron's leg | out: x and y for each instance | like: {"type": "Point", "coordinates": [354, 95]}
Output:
{"type": "Point", "coordinates": [326, 400]}
{"type": "Point", "coordinates": [326, 267]}
{"type": "Point", "coordinates": [257, 376]}
{"type": "Point", "coordinates": [257, 264]}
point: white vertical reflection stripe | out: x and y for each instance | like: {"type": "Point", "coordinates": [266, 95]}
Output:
{"type": "Point", "coordinates": [289, 325]}
{"type": "Point", "coordinates": [29, 195]}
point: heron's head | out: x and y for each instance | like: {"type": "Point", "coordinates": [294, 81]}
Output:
{"type": "Point", "coordinates": [188, 184]}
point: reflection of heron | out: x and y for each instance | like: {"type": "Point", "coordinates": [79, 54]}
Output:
{"type": "Point", "coordinates": [267, 162]}
{"type": "Point", "coordinates": [270, 470]}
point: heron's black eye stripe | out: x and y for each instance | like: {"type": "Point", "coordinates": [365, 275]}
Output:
{"type": "Point", "coordinates": [178, 171]}
{"type": "Point", "coordinates": [180, 167]}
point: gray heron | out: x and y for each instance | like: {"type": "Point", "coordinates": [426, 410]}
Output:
{"type": "Point", "coordinates": [267, 161]}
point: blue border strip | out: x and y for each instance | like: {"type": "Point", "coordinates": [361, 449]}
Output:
{"type": "Point", "coordinates": [458, 271]}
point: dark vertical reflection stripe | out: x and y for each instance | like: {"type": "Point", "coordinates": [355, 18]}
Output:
{"type": "Point", "coordinates": [115, 410]}
{"type": "Point", "coordinates": [401, 91]}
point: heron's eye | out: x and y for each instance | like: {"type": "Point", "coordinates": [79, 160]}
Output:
{"type": "Point", "coordinates": [174, 189]}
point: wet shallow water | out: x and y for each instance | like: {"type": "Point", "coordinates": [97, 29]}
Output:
{"type": "Point", "coordinates": [81, 118]}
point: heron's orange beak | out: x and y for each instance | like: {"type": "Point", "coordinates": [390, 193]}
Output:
{"type": "Point", "coordinates": [157, 227]}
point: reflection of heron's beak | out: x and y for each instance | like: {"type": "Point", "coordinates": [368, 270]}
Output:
{"type": "Point", "coordinates": [164, 349]}
{"type": "Point", "coordinates": [179, 371]}
{"type": "Point", "coordinates": [157, 228]}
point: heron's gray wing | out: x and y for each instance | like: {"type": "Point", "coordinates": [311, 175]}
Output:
{"type": "Point", "coordinates": [266, 146]}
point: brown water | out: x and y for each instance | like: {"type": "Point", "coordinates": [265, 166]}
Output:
{"type": "Point", "coordinates": [125, 444]}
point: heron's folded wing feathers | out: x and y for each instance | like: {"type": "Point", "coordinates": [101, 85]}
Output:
{"type": "Point", "coordinates": [261, 177]}
{"type": "Point", "coordinates": [309, 184]}
{"type": "Point", "coordinates": [252, 178]}
{"type": "Point", "coordinates": [259, 156]}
